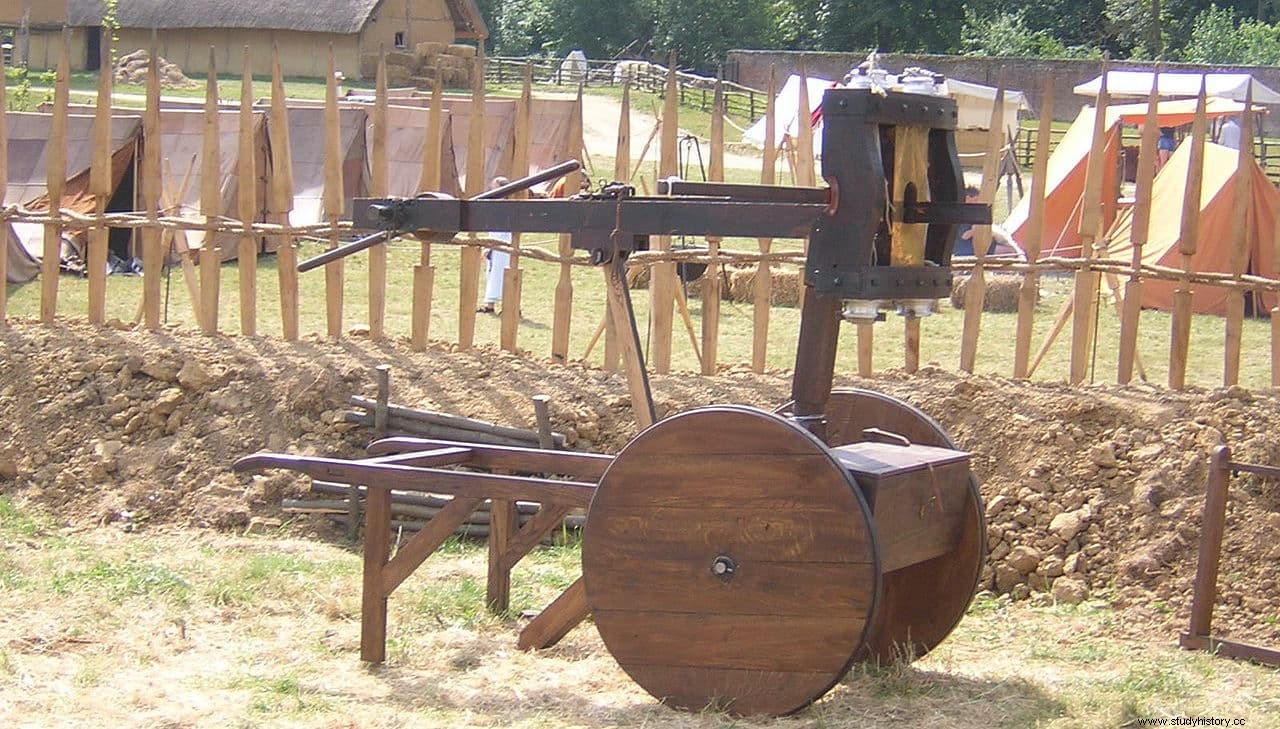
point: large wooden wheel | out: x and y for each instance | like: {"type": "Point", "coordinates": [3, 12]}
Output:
{"type": "Point", "coordinates": [921, 603]}
{"type": "Point", "coordinates": [729, 562]}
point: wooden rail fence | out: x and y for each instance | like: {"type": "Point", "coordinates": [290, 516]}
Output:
{"type": "Point", "coordinates": [1098, 279]}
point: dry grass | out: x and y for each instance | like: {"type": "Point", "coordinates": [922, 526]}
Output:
{"type": "Point", "coordinates": [204, 629]}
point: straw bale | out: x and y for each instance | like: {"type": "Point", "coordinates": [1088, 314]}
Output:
{"type": "Point", "coordinates": [785, 288]}
{"type": "Point", "coordinates": [1001, 294]}
{"type": "Point", "coordinates": [462, 50]}
{"type": "Point", "coordinates": [427, 49]}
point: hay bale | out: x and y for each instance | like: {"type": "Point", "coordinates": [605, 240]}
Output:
{"type": "Point", "coordinates": [399, 75]}
{"type": "Point", "coordinates": [427, 49]}
{"type": "Point", "coordinates": [785, 289]}
{"type": "Point", "coordinates": [1001, 296]}
{"type": "Point", "coordinates": [462, 50]}
{"type": "Point", "coordinates": [400, 58]}
{"type": "Point", "coordinates": [132, 69]}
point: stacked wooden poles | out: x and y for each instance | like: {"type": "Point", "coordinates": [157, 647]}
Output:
{"type": "Point", "coordinates": [1147, 161]}
{"type": "Point", "coordinates": [100, 188]}
{"type": "Point", "coordinates": [622, 173]}
{"type": "Point", "coordinates": [56, 179]}
{"type": "Point", "coordinates": [512, 280]}
{"type": "Point", "coordinates": [711, 279]}
{"type": "Point", "coordinates": [153, 254]}
{"type": "Point", "coordinates": [378, 188]}
{"type": "Point", "coordinates": [1188, 242]}
{"type": "Point", "coordinates": [662, 285]}
{"type": "Point", "coordinates": [1030, 289]}
{"type": "Point", "coordinates": [333, 200]}
{"type": "Point", "coordinates": [563, 311]}
{"type": "Point", "coordinates": [471, 265]}
{"type": "Point", "coordinates": [281, 200]}
{"type": "Point", "coordinates": [1240, 219]}
{"type": "Point", "coordinates": [424, 274]}
{"type": "Point", "coordinates": [1085, 297]}
{"type": "Point", "coordinates": [247, 203]}
{"type": "Point", "coordinates": [976, 291]}
{"type": "Point", "coordinates": [210, 203]}
{"type": "Point", "coordinates": [763, 288]}
{"type": "Point", "coordinates": [4, 184]}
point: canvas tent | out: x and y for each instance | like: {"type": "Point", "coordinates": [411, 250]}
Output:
{"type": "Point", "coordinates": [28, 150]}
{"type": "Point", "coordinates": [550, 122]}
{"type": "Point", "coordinates": [406, 140]}
{"type": "Point", "coordinates": [1137, 84]}
{"type": "Point", "coordinates": [306, 139]}
{"type": "Point", "coordinates": [1222, 175]}
{"type": "Point", "coordinates": [499, 132]}
{"type": "Point", "coordinates": [1068, 165]}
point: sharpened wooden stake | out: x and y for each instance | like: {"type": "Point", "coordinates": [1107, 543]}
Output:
{"type": "Point", "coordinates": [100, 188]}
{"type": "Point", "coordinates": [211, 203]}
{"type": "Point", "coordinates": [1147, 159]}
{"type": "Point", "coordinates": [805, 165]}
{"type": "Point", "coordinates": [378, 188]}
{"type": "Point", "coordinates": [763, 284]}
{"type": "Point", "coordinates": [976, 291]}
{"type": "Point", "coordinates": [662, 281]}
{"type": "Point", "coordinates": [1240, 220]}
{"type": "Point", "coordinates": [470, 267]}
{"type": "Point", "coordinates": [621, 171]}
{"type": "Point", "coordinates": [711, 278]}
{"type": "Point", "coordinates": [333, 201]}
{"type": "Point", "coordinates": [1033, 244]}
{"type": "Point", "coordinates": [512, 280]}
{"type": "Point", "coordinates": [55, 184]}
{"type": "Point", "coordinates": [563, 312]}
{"type": "Point", "coordinates": [424, 274]}
{"type": "Point", "coordinates": [247, 203]}
{"type": "Point", "coordinates": [1188, 242]}
{"type": "Point", "coordinates": [282, 200]}
{"type": "Point", "coordinates": [1085, 297]}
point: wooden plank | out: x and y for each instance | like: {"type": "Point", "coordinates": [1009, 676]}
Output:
{"type": "Point", "coordinates": [1029, 291]}
{"type": "Point", "coordinates": [1085, 297]}
{"type": "Point", "coordinates": [415, 551]}
{"type": "Point", "coordinates": [373, 602]}
{"type": "Point", "coordinates": [247, 202]}
{"type": "Point", "coordinates": [711, 279]}
{"type": "Point", "coordinates": [662, 282]}
{"type": "Point", "coordinates": [618, 308]}
{"type": "Point", "coordinates": [424, 273]}
{"type": "Point", "coordinates": [1147, 162]}
{"type": "Point", "coordinates": [1239, 244]}
{"type": "Point", "coordinates": [378, 188]}
{"type": "Point", "coordinates": [563, 308]}
{"type": "Point", "coordinates": [512, 279]}
{"type": "Point", "coordinates": [556, 620]}
{"type": "Point", "coordinates": [333, 202]}
{"type": "Point", "coordinates": [1213, 526]}
{"type": "Point", "coordinates": [210, 202]}
{"type": "Point", "coordinates": [1188, 242]}
{"type": "Point", "coordinates": [763, 289]}
{"type": "Point", "coordinates": [470, 268]}
{"type": "Point", "coordinates": [55, 183]}
{"type": "Point", "coordinates": [621, 172]}
{"type": "Point", "coordinates": [581, 466]}
{"type": "Point", "coordinates": [502, 526]}
{"type": "Point", "coordinates": [4, 184]}
{"type": "Point", "coordinates": [282, 200]}
{"type": "Point", "coordinates": [976, 291]}
{"type": "Point", "coordinates": [100, 188]}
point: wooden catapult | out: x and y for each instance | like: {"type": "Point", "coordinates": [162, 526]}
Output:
{"type": "Point", "coordinates": [731, 557]}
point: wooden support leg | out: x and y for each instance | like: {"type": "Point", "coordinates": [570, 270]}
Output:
{"type": "Point", "coordinates": [624, 323]}
{"type": "Point", "coordinates": [866, 332]}
{"type": "Point", "coordinates": [1212, 524]}
{"type": "Point", "coordinates": [556, 620]}
{"type": "Point", "coordinates": [377, 548]}
{"type": "Point", "coordinates": [911, 344]}
{"type": "Point", "coordinates": [502, 526]}
{"type": "Point", "coordinates": [815, 359]}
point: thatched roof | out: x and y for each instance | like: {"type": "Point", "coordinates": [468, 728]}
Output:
{"type": "Point", "coordinates": [317, 16]}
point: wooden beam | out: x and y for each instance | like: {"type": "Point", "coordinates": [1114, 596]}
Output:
{"type": "Point", "coordinates": [1188, 242]}
{"type": "Point", "coordinates": [55, 183]}
{"type": "Point", "coordinates": [512, 279]}
{"type": "Point", "coordinates": [1029, 291]}
{"type": "Point", "coordinates": [247, 202]}
{"type": "Point", "coordinates": [210, 202]}
{"type": "Point", "coordinates": [563, 311]}
{"type": "Point", "coordinates": [333, 200]}
{"type": "Point", "coordinates": [976, 291]}
{"type": "Point", "coordinates": [711, 279]}
{"type": "Point", "coordinates": [100, 188]}
{"type": "Point", "coordinates": [763, 284]}
{"type": "Point", "coordinates": [424, 274]}
{"type": "Point", "coordinates": [1085, 297]}
{"type": "Point", "coordinates": [470, 268]}
{"type": "Point", "coordinates": [556, 620]}
{"type": "Point", "coordinates": [377, 549]}
{"type": "Point", "coordinates": [282, 200]}
{"type": "Point", "coordinates": [1240, 220]}
{"type": "Point", "coordinates": [662, 279]}
{"type": "Point", "coordinates": [378, 188]}
{"type": "Point", "coordinates": [415, 551]}
{"type": "Point", "coordinates": [1147, 162]}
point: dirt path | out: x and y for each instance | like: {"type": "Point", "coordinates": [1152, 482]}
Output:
{"type": "Point", "coordinates": [600, 115]}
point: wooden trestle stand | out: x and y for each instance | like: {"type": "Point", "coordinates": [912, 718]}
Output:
{"type": "Point", "coordinates": [732, 557]}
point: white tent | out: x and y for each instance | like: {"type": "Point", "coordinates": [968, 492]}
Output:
{"type": "Point", "coordinates": [1221, 85]}
{"type": "Point", "coordinates": [786, 110]}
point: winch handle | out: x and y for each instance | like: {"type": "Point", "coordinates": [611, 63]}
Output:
{"type": "Point", "coordinates": [881, 435]}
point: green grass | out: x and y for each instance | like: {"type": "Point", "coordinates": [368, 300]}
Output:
{"type": "Point", "coordinates": [119, 580]}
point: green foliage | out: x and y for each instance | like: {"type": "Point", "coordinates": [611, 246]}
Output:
{"type": "Point", "coordinates": [696, 30]}
{"type": "Point", "coordinates": [1220, 36]}
{"type": "Point", "coordinates": [1010, 34]}
{"type": "Point", "coordinates": [121, 580]}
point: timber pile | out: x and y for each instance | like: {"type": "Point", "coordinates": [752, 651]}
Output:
{"type": "Point", "coordinates": [420, 67]}
{"type": "Point", "coordinates": [401, 420]}
{"type": "Point", "coordinates": [132, 69]}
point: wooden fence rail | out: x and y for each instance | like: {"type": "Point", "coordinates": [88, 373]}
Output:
{"type": "Point", "coordinates": [261, 214]}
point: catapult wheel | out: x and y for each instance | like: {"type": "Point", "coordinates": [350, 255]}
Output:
{"type": "Point", "coordinates": [921, 603]}
{"type": "Point", "coordinates": [729, 562]}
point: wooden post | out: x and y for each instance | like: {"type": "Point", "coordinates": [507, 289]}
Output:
{"type": "Point", "coordinates": [1188, 241]}
{"type": "Point", "coordinates": [711, 279]}
{"type": "Point", "coordinates": [511, 278]}
{"type": "Point", "coordinates": [378, 188]}
{"type": "Point", "coordinates": [564, 285]}
{"type": "Point", "coordinates": [1030, 289]}
{"type": "Point", "coordinates": [622, 172]}
{"type": "Point", "coordinates": [1212, 530]}
{"type": "Point", "coordinates": [1085, 298]}
{"type": "Point", "coordinates": [976, 291]}
{"type": "Point", "coordinates": [55, 183]}
{"type": "Point", "coordinates": [100, 188]}
{"type": "Point", "coordinates": [763, 288]}
{"type": "Point", "coordinates": [866, 348]}
{"type": "Point", "coordinates": [4, 184]}
{"type": "Point", "coordinates": [377, 548]}
{"type": "Point", "coordinates": [503, 524]}
{"type": "Point", "coordinates": [470, 268]}
{"type": "Point", "coordinates": [1147, 159]}
{"type": "Point", "coordinates": [282, 199]}
{"type": "Point", "coordinates": [662, 280]}
{"type": "Point", "coordinates": [210, 203]}
{"type": "Point", "coordinates": [333, 200]}
{"type": "Point", "coordinates": [424, 275]}
{"type": "Point", "coordinates": [152, 253]}
{"type": "Point", "coordinates": [247, 203]}
{"type": "Point", "coordinates": [1239, 243]}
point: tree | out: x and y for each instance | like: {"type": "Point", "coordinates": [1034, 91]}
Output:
{"type": "Point", "coordinates": [700, 32]}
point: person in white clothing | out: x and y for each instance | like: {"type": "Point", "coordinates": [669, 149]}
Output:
{"type": "Point", "coordinates": [1229, 134]}
{"type": "Point", "coordinates": [497, 266]}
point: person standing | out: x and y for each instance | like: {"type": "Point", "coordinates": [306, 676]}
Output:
{"type": "Point", "coordinates": [1165, 146]}
{"type": "Point", "coordinates": [498, 262]}
{"type": "Point", "coordinates": [1229, 134]}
